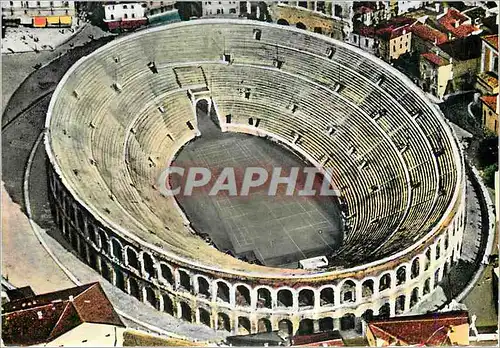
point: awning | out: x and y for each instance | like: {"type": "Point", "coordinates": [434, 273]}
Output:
{"type": "Point", "coordinates": [65, 20]}
{"type": "Point", "coordinates": [39, 22]}
{"type": "Point", "coordinates": [54, 20]}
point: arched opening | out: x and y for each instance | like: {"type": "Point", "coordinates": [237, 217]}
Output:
{"type": "Point", "coordinates": [446, 241]}
{"type": "Point", "coordinates": [367, 288]}
{"type": "Point", "coordinates": [415, 268]}
{"type": "Point", "coordinates": [103, 241]}
{"type": "Point", "coordinates": [282, 21]}
{"type": "Point", "coordinates": [306, 327]}
{"type": "Point", "coordinates": [285, 298]}
{"type": "Point", "coordinates": [438, 250]}
{"type": "Point", "coordinates": [93, 259]}
{"type": "Point", "coordinates": [205, 317]}
{"type": "Point", "coordinates": [306, 298]}
{"type": "Point", "coordinates": [151, 297]}
{"type": "Point", "coordinates": [74, 239]}
{"type": "Point", "coordinates": [92, 234]}
{"type": "Point", "coordinates": [301, 25]}
{"type": "Point", "coordinates": [223, 322]}
{"type": "Point", "coordinates": [184, 280]}
{"type": "Point", "coordinates": [168, 306]}
{"type": "Point", "coordinates": [203, 287]}
{"type": "Point", "coordinates": [117, 250]}
{"type": "Point", "coordinates": [244, 326]}
{"type": "Point", "coordinates": [222, 292]}
{"type": "Point", "coordinates": [105, 271]}
{"type": "Point", "coordinates": [166, 274]}
{"type": "Point", "coordinates": [401, 275]}
{"type": "Point", "coordinates": [348, 292]}
{"type": "Point", "coordinates": [337, 10]}
{"type": "Point", "coordinates": [264, 298]}
{"type": "Point", "coordinates": [119, 280]}
{"type": "Point", "coordinates": [186, 313]}
{"type": "Point", "coordinates": [385, 282]}
{"type": "Point", "coordinates": [285, 326]}
{"type": "Point", "coordinates": [436, 277]}
{"type": "Point", "coordinates": [326, 324]}
{"type": "Point", "coordinates": [400, 304]}
{"type": "Point", "coordinates": [385, 311]}
{"type": "Point", "coordinates": [134, 288]}
{"type": "Point", "coordinates": [446, 268]}
{"type": "Point", "coordinates": [415, 297]}
{"type": "Point", "coordinates": [264, 325]}
{"type": "Point", "coordinates": [242, 296]}
{"type": "Point", "coordinates": [427, 259]}
{"type": "Point", "coordinates": [347, 322]}
{"type": "Point", "coordinates": [83, 249]}
{"type": "Point", "coordinates": [148, 265]}
{"type": "Point", "coordinates": [132, 260]}
{"type": "Point", "coordinates": [427, 286]}
{"type": "Point", "coordinates": [327, 297]}
{"type": "Point", "coordinates": [367, 315]}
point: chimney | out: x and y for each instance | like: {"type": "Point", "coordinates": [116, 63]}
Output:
{"type": "Point", "coordinates": [457, 24]}
{"type": "Point", "coordinates": [40, 315]}
{"type": "Point", "coordinates": [70, 298]}
{"type": "Point", "coordinates": [445, 10]}
{"type": "Point", "coordinates": [438, 7]}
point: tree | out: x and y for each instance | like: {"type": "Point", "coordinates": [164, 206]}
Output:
{"type": "Point", "coordinates": [489, 175]}
{"type": "Point", "coordinates": [487, 152]}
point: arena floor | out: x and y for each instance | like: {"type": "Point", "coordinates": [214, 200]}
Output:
{"type": "Point", "coordinates": [278, 231]}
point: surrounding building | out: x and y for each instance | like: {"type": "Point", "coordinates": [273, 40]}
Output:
{"type": "Point", "coordinates": [39, 14]}
{"type": "Point", "coordinates": [210, 8]}
{"type": "Point", "coordinates": [425, 37]}
{"type": "Point", "coordinates": [487, 79]}
{"type": "Point", "coordinates": [490, 113]}
{"type": "Point", "coordinates": [370, 13]}
{"type": "Point", "coordinates": [161, 12]}
{"type": "Point", "coordinates": [435, 72]}
{"type": "Point", "coordinates": [401, 7]}
{"type": "Point", "coordinates": [457, 24]}
{"type": "Point", "coordinates": [80, 316]}
{"type": "Point", "coordinates": [364, 38]}
{"type": "Point", "coordinates": [281, 338]}
{"type": "Point", "coordinates": [131, 15]}
{"type": "Point", "coordinates": [432, 329]}
{"type": "Point", "coordinates": [394, 38]}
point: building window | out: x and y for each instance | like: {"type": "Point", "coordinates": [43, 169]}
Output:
{"type": "Point", "coordinates": [11, 3]}
{"type": "Point", "coordinates": [366, 42]}
{"type": "Point", "coordinates": [112, 16]}
{"type": "Point", "coordinates": [125, 16]}
{"type": "Point", "coordinates": [355, 39]}
{"type": "Point", "coordinates": [38, 3]}
{"type": "Point", "coordinates": [132, 7]}
{"type": "Point", "coordinates": [133, 15]}
{"type": "Point", "coordinates": [51, 3]}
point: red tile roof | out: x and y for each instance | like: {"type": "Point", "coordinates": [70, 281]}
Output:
{"type": "Point", "coordinates": [429, 34]}
{"type": "Point", "coordinates": [428, 329]}
{"type": "Point", "coordinates": [41, 319]}
{"type": "Point", "coordinates": [491, 101]}
{"type": "Point", "coordinates": [394, 28]}
{"type": "Point", "coordinates": [453, 18]}
{"type": "Point", "coordinates": [435, 59]}
{"type": "Point", "coordinates": [492, 40]}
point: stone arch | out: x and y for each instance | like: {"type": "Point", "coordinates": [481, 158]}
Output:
{"type": "Point", "coordinates": [117, 249]}
{"type": "Point", "coordinates": [186, 312]}
{"type": "Point", "coordinates": [327, 296]}
{"type": "Point", "coordinates": [285, 326]}
{"type": "Point", "coordinates": [148, 264]}
{"type": "Point", "coordinates": [242, 296]}
{"type": "Point", "coordinates": [348, 291]}
{"type": "Point", "coordinates": [244, 327]}
{"type": "Point", "coordinates": [205, 317]}
{"type": "Point", "coordinates": [306, 327]}
{"type": "Point", "coordinates": [415, 297]}
{"type": "Point", "coordinates": [264, 298]}
{"type": "Point", "coordinates": [367, 315]}
{"type": "Point", "coordinates": [326, 324]}
{"type": "Point", "coordinates": [103, 241]}
{"type": "Point", "coordinates": [168, 305]}
{"type": "Point", "coordinates": [151, 297]}
{"type": "Point", "coordinates": [385, 310]}
{"type": "Point", "coordinates": [133, 288]}
{"type": "Point", "coordinates": [401, 275]}
{"type": "Point", "coordinates": [184, 280]}
{"type": "Point", "coordinates": [223, 292]}
{"type": "Point", "coordinates": [427, 286]}
{"type": "Point", "coordinates": [166, 273]}
{"type": "Point", "coordinates": [306, 298]}
{"type": "Point", "coordinates": [385, 282]}
{"type": "Point", "coordinates": [415, 268]}
{"type": "Point", "coordinates": [264, 325]}
{"type": "Point", "coordinates": [92, 234]}
{"type": "Point", "coordinates": [400, 304]}
{"type": "Point", "coordinates": [132, 259]}
{"type": "Point", "coordinates": [347, 322]}
{"type": "Point", "coordinates": [282, 21]}
{"type": "Point", "coordinates": [203, 286]}
{"type": "Point", "coordinates": [367, 288]}
{"type": "Point", "coordinates": [119, 279]}
{"type": "Point", "coordinates": [223, 322]}
{"type": "Point", "coordinates": [427, 261]}
{"type": "Point", "coordinates": [301, 25]}
{"type": "Point", "coordinates": [285, 298]}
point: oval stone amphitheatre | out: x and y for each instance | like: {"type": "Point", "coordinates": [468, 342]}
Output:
{"type": "Point", "coordinates": [121, 114]}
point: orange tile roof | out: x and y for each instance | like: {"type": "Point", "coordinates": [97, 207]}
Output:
{"type": "Point", "coordinates": [429, 34]}
{"type": "Point", "coordinates": [492, 40]}
{"type": "Point", "coordinates": [451, 18]}
{"type": "Point", "coordinates": [435, 59]}
{"type": "Point", "coordinates": [491, 102]}
{"type": "Point", "coordinates": [427, 329]}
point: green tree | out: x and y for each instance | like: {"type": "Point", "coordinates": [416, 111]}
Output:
{"type": "Point", "coordinates": [489, 175]}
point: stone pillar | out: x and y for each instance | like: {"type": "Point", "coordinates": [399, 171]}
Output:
{"type": "Point", "coordinates": [316, 325]}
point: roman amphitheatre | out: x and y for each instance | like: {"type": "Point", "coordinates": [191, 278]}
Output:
{"type": "Point", "coordinates": [122, 114]}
